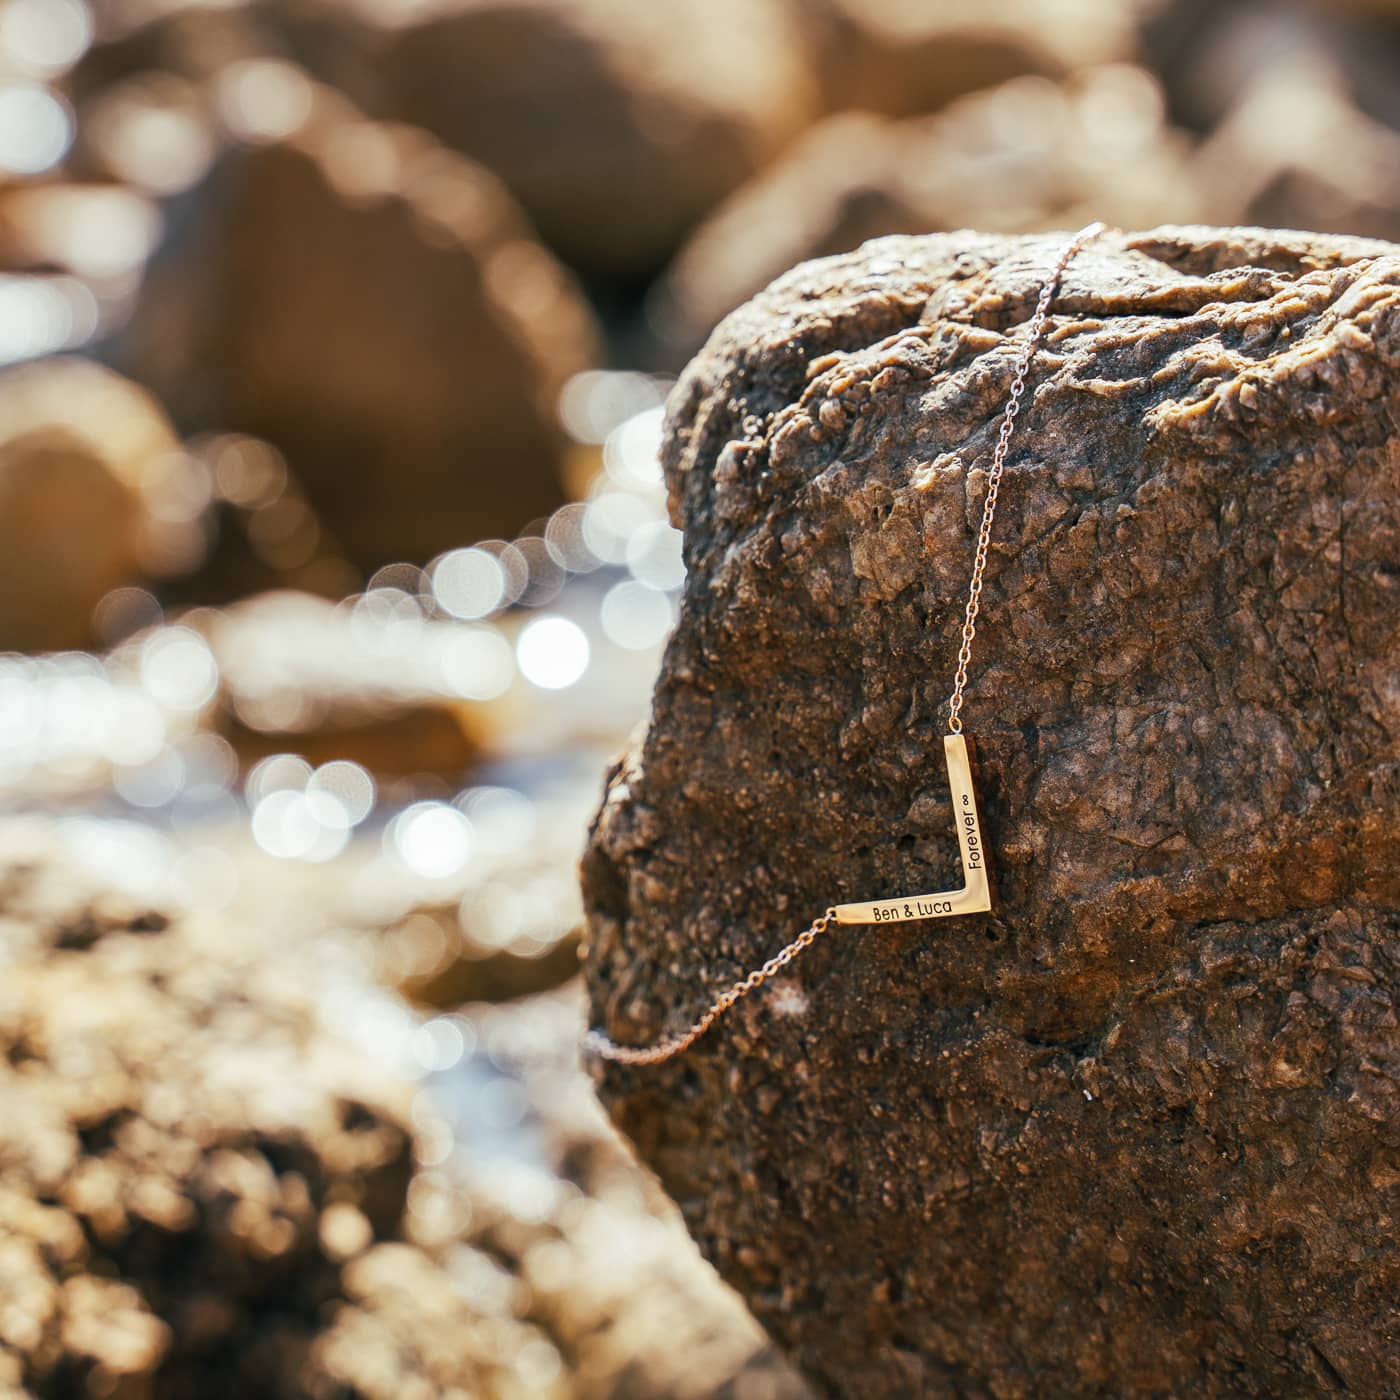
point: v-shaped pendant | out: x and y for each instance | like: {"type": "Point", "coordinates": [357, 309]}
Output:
{"type": "Point", "coordinates": [975, 897]}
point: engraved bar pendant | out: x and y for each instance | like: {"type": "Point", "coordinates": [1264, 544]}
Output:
{"type": "Point", "coordinates": [975, 897]}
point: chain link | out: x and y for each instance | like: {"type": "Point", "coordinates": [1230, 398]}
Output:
{"type": "Point", "coordinates": [597, 1044]}
{"type": "Point", "coordinates": [1008, 423]}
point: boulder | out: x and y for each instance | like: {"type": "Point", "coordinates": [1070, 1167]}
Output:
{"type": "Point", "coordinates": [1137, 1133]}
{"type": "Point", "coordinates": [902, 57]}
{"type": "Point", "coordinates": [157, 92]}
{"type": "Point", "coordinates": [1208, 55]}
{"type": "Point", "coordinates": [627, 122]}
{"type": "Point", "coordinates": [1297, 106]}
{"type": "Point", "coordinates": [83, 456]}
{"type": "Point", "coordinates": [1096, 145]}
{"type": "Point", "coordinates": [1295, 149]}
{"type": "Point", "coordinates": [377, 309]}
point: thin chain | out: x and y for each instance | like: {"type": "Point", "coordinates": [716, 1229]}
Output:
{"type": "Point", "coordinates": [1008, 422]}
{"type": "Point", "coordinates": [595, 1042]}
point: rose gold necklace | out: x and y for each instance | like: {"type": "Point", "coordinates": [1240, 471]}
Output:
{"type": "Point", "coordinates": [975, 896]}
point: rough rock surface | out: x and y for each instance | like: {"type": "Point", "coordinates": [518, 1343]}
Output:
{"type": "Point", "coordinates": [376, 307]}
{"type": "Point", "coordinates": [82, 456]}
{"type": "Point", "coordinates": [1095, 146]}
{"type": "Point", "coordinates": [627, 124]}
{"type": "Point", "coordinates": [1139, 1133]}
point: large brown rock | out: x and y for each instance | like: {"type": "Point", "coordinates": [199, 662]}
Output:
{"type": "Point", "coordinates": [1028, 154]}
{"type": "Point", "coordinates": [375, 307]}
{"type": "Point", "coordinates": [616, 123]}
{"type": "Point", "coordinates": [1138, 1133]}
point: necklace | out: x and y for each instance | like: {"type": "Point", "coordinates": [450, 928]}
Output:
{"type": "Point", "coordinates": [975, 896]}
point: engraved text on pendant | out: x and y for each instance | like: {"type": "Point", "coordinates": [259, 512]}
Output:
{"type": "Point", "coordinates": [975, 897]}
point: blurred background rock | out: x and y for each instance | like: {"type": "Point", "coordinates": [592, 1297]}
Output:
{"type": "Point", "coordinates": [336, 564]}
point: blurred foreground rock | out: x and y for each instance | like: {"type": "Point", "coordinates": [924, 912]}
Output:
{"type": "Point", "coordinates": [99, 231]}
{"type": "Point", "coordinates": [1095, 146]}
{"type": "Point", "coordinates": [204, 1192]}
{"type": "Point", "coordinates": [83, 457]}
{"type": "Point", "coordinates": [185, 1160]}
{"type": "Point", "coordinates": [628, 120]}
{"type": "Point", "coordinates": [301, 674]}
{"type": "Point", "coordinates": [375, 307]}
{"type": "Point", "coordinates": [456, 966]}
{"type": "Point", "coordinates": [1139, 1134]}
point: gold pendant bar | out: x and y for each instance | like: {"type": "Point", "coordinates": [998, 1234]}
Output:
{"type": "Point", "coordinates": [975, 897]}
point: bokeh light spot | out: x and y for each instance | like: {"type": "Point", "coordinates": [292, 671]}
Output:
{"type": "Point", "coordinates": [552, 652]}
{"type": "Point", "coordinates": [178, 669]}
{"type": "Point", "coordinates": [654, 556]}
{"type": "Point", "coordinates": [155, 783]}
{"type": "Point", "coordinates": [632, 453]}
{"type": "Point", "coordinates": [469, 583]}
{"type": "Point", "coordinates": [45, 36]}
{"type": "Point", "coordinates": [262, 99]}
{"type": "Point", "coordinates": [36, 128]}
{"type": "Point", "coordinates": [636, 617]}
{"type": "Point", "coordinates": [432, 839]}
{"type": "Point", "coordinates": [438, 1044]}
{"type": "Point", "coordinates": [282, 772]}
{"type": "Point", "coordinates": [348, 785]}
{"type": "Point", "coordinates": [476, 663]}
{"type": "Point", "coordinates": [305, 826]}
{"type": "Point", "coordinates": [593, 402]}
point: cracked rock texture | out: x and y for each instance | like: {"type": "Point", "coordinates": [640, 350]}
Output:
{"type": "Point", "coordinates": [1139, 1133]}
